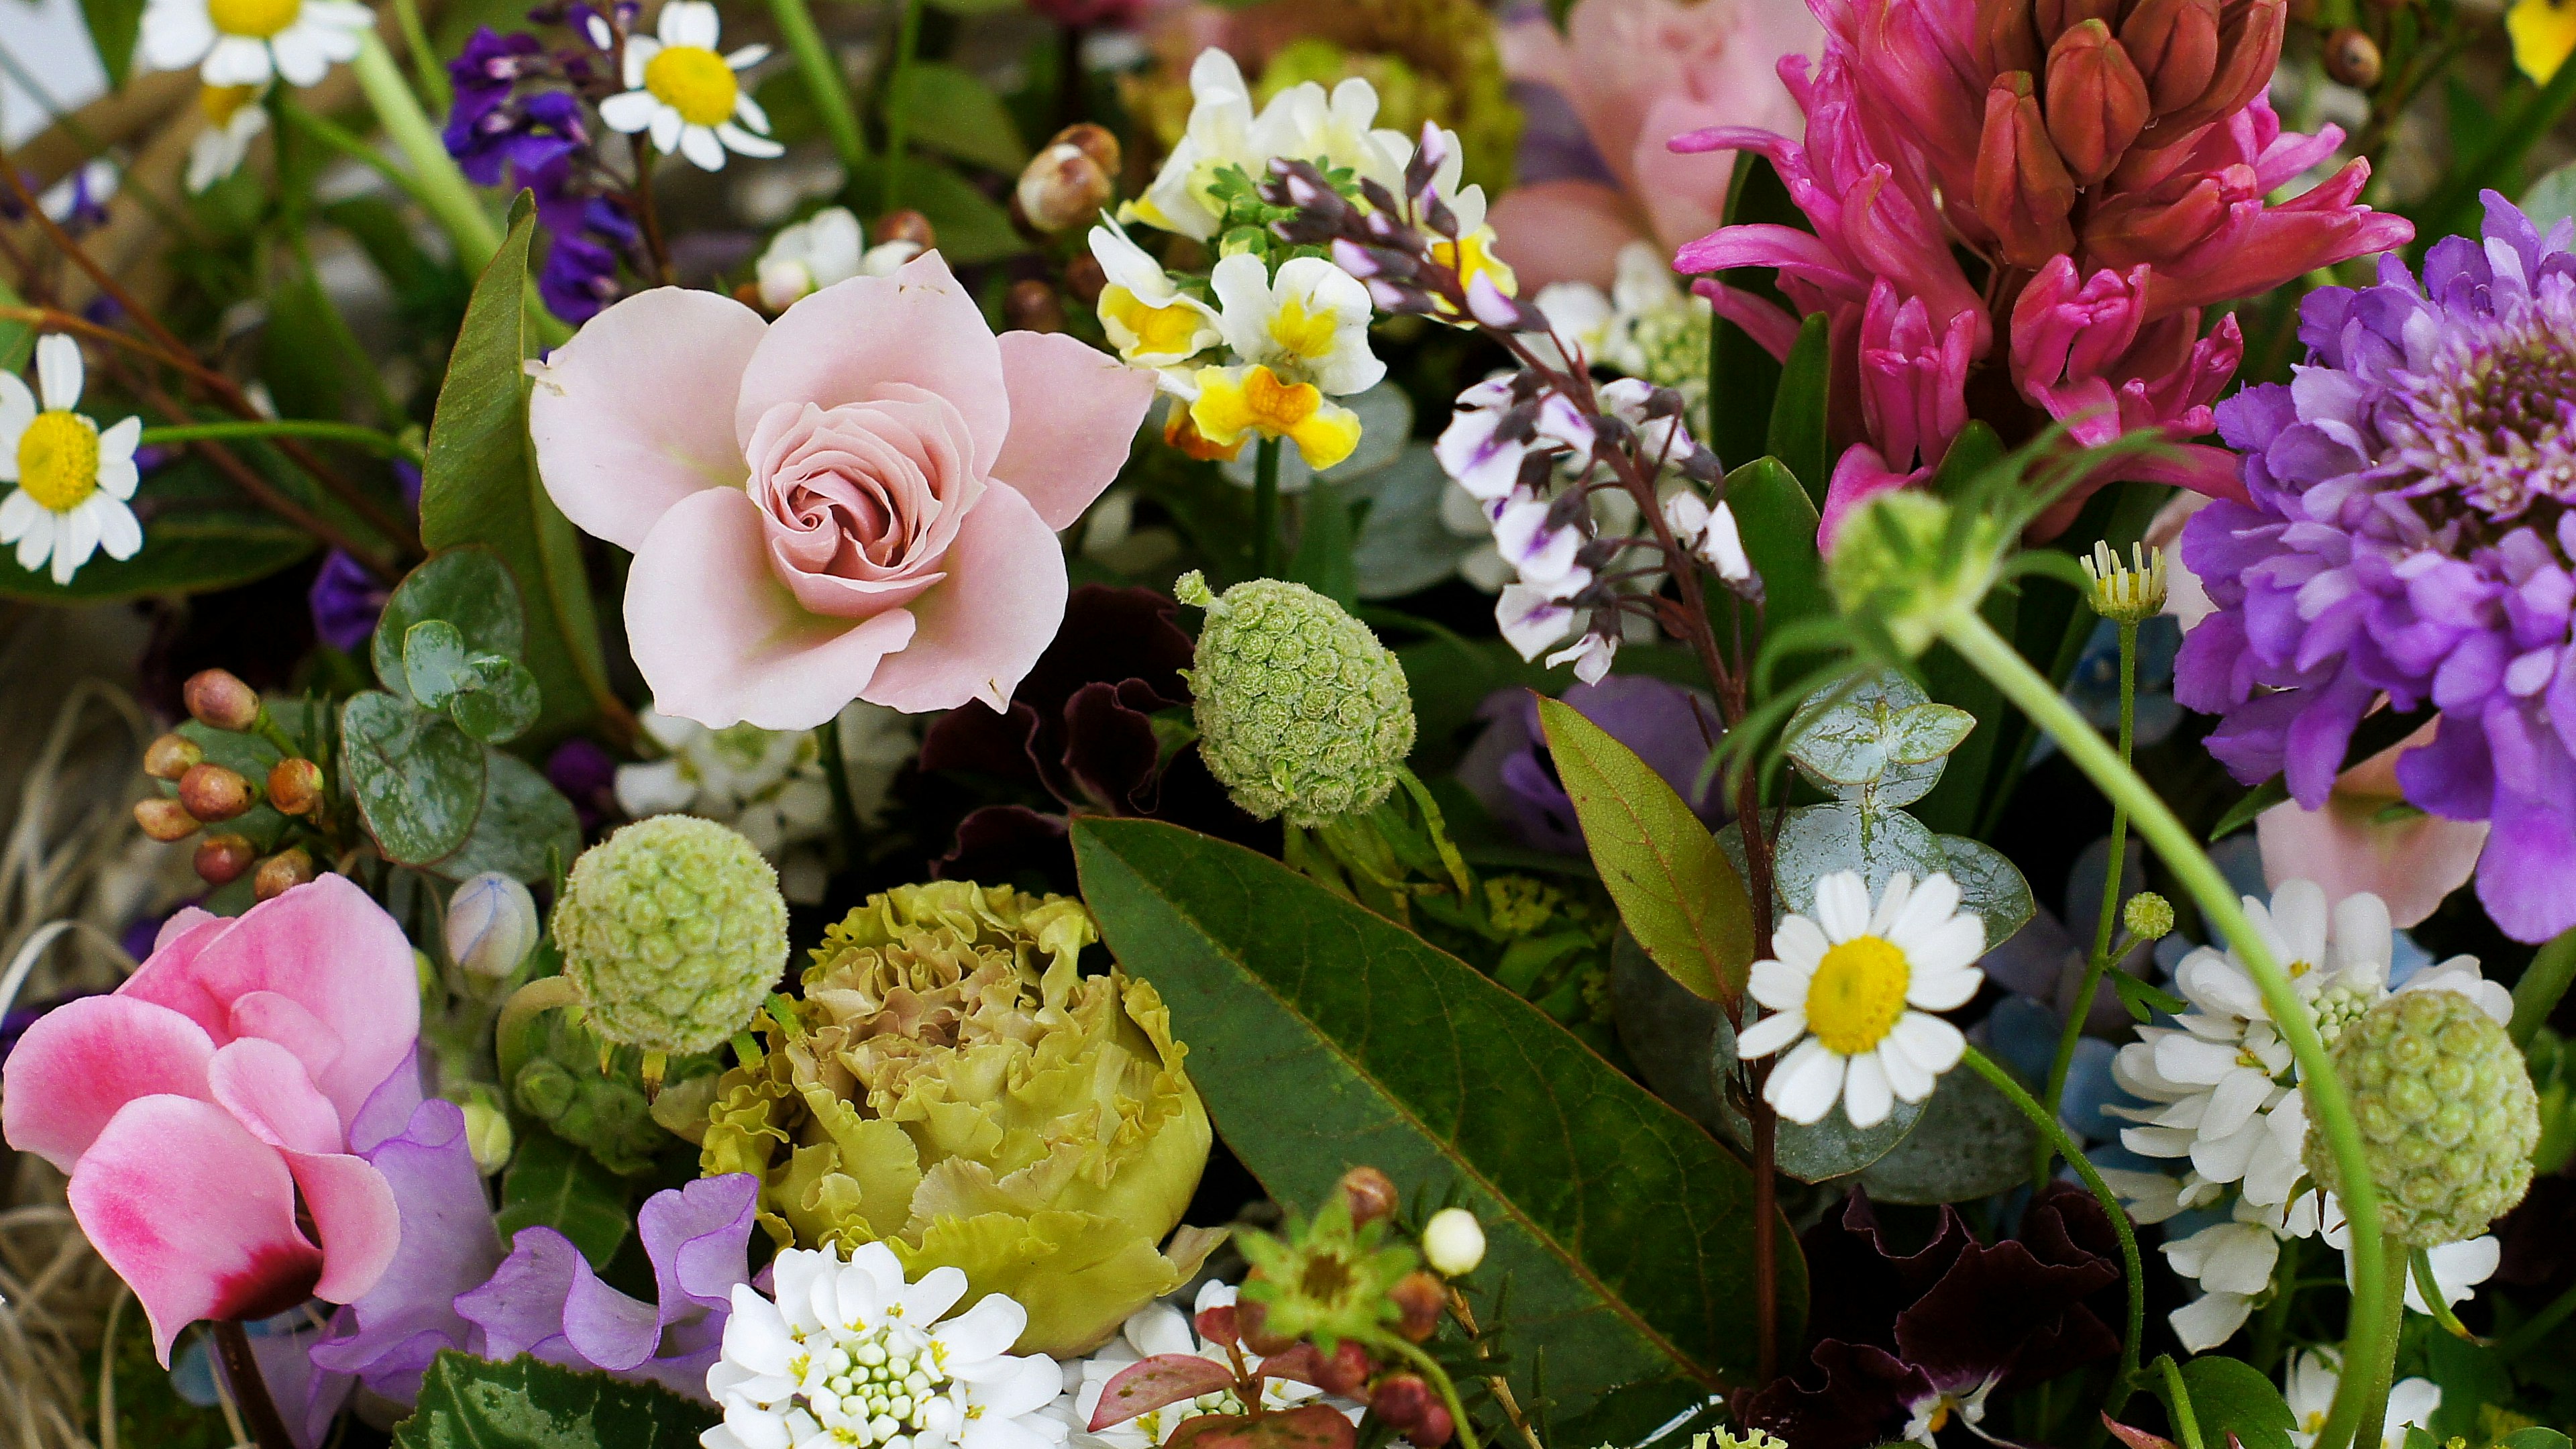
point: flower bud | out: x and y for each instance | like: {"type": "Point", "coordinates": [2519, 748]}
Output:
{"type": "Point", "coordinates": [1254, 1321]}
{"type": "Point", "coordinates": [674, 932]}
{"type": "Point", "coordinates": [2149, 917]}
{"type": "Point", "coordinates": [2022, 189]}
{"type": "Point", "coordinates": [1419, 1298]}
{"type": "Point", "coordinates": [281, 873]}
{"type": "Point", "coordinates": [1094, 140]}
{"type": "Point", "coordinates": [164, 819]}
{"type": "Point", "coordinates": [171, 756]}
{"type": "Point", "coordinates": [2174, 44]}
{"type": "Point", "coordinates": [1433, 1429]}
{"type": "Point", "coordinates": [487, 1135]}
{"type": "Point", "coordinates": [295, 786]}
{"type": "Point", "coordinates": [2249, 51]}
{"type": "Point", "coordinates": [2352, 58]}
{"type": "Point", "coordinates": [1371, 1193]}
{"type": "Point", "coordinates": [904, 226]}
{"type": "Point", "coordinates": [2447, 1113]}
{"type": "Point", "coordinates": [1453, 1243]}
{"type": "Point", "coordinates": [2004, 28]}
{"type": "Point", "coordinates": [2097, 101]}
{"type": "Point", "coordinates": [1062, 188]}
{"type": "Point", "coordinates": [1345, 1371]}
{"type": "Point", "coordinates": [221, 859]}
{"type": "Point", "coordinates": [1301, 711]}
{"type": "Point", "coordinates": [2053, 18]}
{"type": "Point", "coordinates": [213, 793]}
{"type": "Point", "coordinates": [1085, 279]}
{"type": "Point", "coordinates": [1032, 305]}
{"type": "Point", "coordinates": [2126, 593]}
{"type": "Point", "coordinates": [1399, 1399]}
{"type": "Point", "coordinates": [491, 926]}
{"type": "Point", "coordinates": [218, 699]}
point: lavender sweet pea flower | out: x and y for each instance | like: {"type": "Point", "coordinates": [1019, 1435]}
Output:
{"type": "Point", "coordinates": [1507, 768]}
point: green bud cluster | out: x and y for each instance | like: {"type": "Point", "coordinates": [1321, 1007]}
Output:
{"type": "Point", "coordinates": [2149, 917]}
{"type": "Point", "coordinates": [1301, 712]}
{"type": "Point", "coordinates": [603, 1110]}
{"type": "Point", "coordinates": [2447, 1114]}
{"type": "Point", "coordinates": [674, 931]}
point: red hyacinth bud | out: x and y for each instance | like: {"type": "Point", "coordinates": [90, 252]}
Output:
{"type": "Point", "coordinates": [2004, 30]}
{"type": "Point", "coordinates": [2023, 193]}
{"type": "Point", "coordinates": [2097, 102]}
{"type": "Point", "coordinates": [2249, 50]}
{"type": "Point", "coordinates": [219, 699]}
{"type": "Point", "coordinates": [171, 756]}
{"type": "Point", "coordinates": [2056, 17]}
{"type": "Point", "coordinates": [221, 859]}
{"type": "Point", "coordinates": [2151, 227]}
{"type": "Point", "coordinates": [2174, 44]}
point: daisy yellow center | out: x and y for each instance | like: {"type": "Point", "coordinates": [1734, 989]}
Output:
{"type": "Point", "coordinates": [1300, 332]}
{"type": "Point", "coordinates": [693, 81]}
{"type": "Point", "coordinates": [58, 460]}
{"type": "Point", "coordinates": [1160, 331]}
{"type": "Point", "coordinates": [1857, 994]}
{"type": "Point", "coordinates": [258, 19]}
{"type": "Point", "coordinates": [222, 103]}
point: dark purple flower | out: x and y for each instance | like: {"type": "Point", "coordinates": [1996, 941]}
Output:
{"type": "Point", "coordinates": [484, 74]}
{"type": "Point", "coordinates": [587, 775]}
{"type": "Point", "coordinates": [2408, 538]}
{"type": "Point", "coordinates": [347, 601]}
{"type": "Point", "coordinates": [1508, 768]}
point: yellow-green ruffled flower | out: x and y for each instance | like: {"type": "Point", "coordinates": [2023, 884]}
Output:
{"type": "Point", "coordinates": [953, 1087]}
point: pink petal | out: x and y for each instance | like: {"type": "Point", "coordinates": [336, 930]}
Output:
{"type": "Point", "coordinates": [847, 341]}
{"type": "Point", "coordinates": [84, 1060]}
{"type": "Point", "coordinates": [722, 641]}
{"type": "Point", "coordinates": [1074, 413]}
{"type": "Point", "coordinates": [264, 1086]}
{"type": "Point", "coordinates": [635, 413]}
{"type": "Point", "coordinates": [1563, 231]}
{"type": "Point", "coordinates": [2412, 864]}
{"type": "Point", "coordinates": [194, 1213]}
{"type": "Point", "coordinates": [1684, 194]}
{"type": "Point", "coordinates": [979, 633]}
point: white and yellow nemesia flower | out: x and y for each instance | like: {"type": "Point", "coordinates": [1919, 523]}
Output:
{"type": "Point", "coordinates": [234, 119]}
{"type": "Point", "coordinates": [687, 95]}
{"type": "Point", "coordinates": [245, 42]}
{"type": "Point", "coordinates": [1149, 319]}
{"type": "Point", "coordinates": [1308, 324]}
{"type": "Point", "coordinates": [1302, 122]}
{"type": "Point", "coordinates": [1231, 402]}
{"type": "Point", "coordinates": [1855, 989]}
{"type": "Point", "coordinates": [72, 479]}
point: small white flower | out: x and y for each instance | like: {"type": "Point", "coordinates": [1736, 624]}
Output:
{"type": "Point", "coordinates": [1540, 544]}
{"type": "Point", "coordinates": [1531, 619]}
{"type": "Point", "coordinates": [1308, 324]}
{"type": "Point", "coordinates": [1709, 533]}
{"type": "Point", "coordinates": [234, 119]}
{"type": "Point", "coordinates": [2310, 1385]}
{"type": "Point", "coordinates": [2458, 1268]}
{"type": "Point", "coordinates": [2231, 1262]}
{"type": "Point", "coordinates": [822, 250]}
{"type": "Point", "coordinates": [1926, 1417]}
{"type": "Point", "coordinates": [1453, 1242]}
{"type": "Point", "coordinates": [1591, 656]}
{"type": "Point", "coordinates": [850, 1354]}
{"type": "Point", "coordinates": [686, 94]}
{"type": "Point", "coordinates": [1149, 319]}
{"type": "Point", "coordinates": [73, 479]}
{"type": "Point", "coordinates": [1482, 448]}
{"type": "Point", "coordinates": [1855, 989]}
{"type": "Point", "coordinates": [768, 784]}
{"type": "Point", "coordinates": [1151, 1332]}
{"type": "Point", "coordinates": [245, 42]}
{"type": "Point", "coordinates": [1300, 122]}
{"type": "Point", "coordinates": [88, 188]}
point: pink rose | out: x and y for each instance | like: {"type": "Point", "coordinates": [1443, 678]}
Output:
{"type": "Point", "coordinates": [224, 1081]}
{"type": "Point", "coordinates": [858, 501]}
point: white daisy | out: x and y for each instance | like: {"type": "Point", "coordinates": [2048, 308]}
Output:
{"type": "Point", "coordinates": [2232, 1263]}
{"type": "Point", "coordinates": [73, 480]}
{"type": "Point", "coordinates": [849, 1353]}
{"type": "Point", "coordinates": [1148, 318]}
{"type": "Point", "coordinates": [234, 119]}
{"type": "Point", "coordinates": [2310, 1385]}
{"type": "Point", "coordinates": [1855, 990]}
{"type": "Point", "coordinates": [686, 94]}
{"type": "Point", "coordinates": [245, 42]}
{"type": "Point", "coordinates": [1151, 1332]}
{"type": "Point", "coordinates": [1308, 324]}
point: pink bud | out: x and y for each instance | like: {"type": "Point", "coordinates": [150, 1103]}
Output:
{"type": "Point", "coordinates": [2174, 44]}
{"type": "Point", "coordinates": [2056, 17]}
{"type": "Point", "coordinates": [2249, 50]}
{"type": "Point", "coordinates": [2023, 192]}
{"type": "Point", "coordinates": [2097, 102]}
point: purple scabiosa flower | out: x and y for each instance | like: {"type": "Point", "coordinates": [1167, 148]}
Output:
{"type": "Point", "coordinates": [2408, 539]}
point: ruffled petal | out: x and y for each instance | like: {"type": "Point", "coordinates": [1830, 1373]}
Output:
{"type": "Point", "coordinates": [979, 633]}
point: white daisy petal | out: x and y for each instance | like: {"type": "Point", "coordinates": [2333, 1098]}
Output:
{"type": "Point", "coordinates": [668, 127]}
{"type": "Point", "coordinates": [1799, 942]}
{"type": "Point", "coordinates": [1955, 942]}
{"type": "Point", "coordinates": [1943, 990]}
{"type": "Point", "coordinates": [744, 143]}
{"type": "Point", "coordinates": [236, 60]}
{"type": "Point", "coordinates": [1867, 1097]}
{"type": "Point", "coordinates": [18, 513]}
{"type": "Point", "coordinates": [75, 541]}
{"type": "Point", "coordinates": [746, 57]}
{"type": "Point", "coordinates": [640, 50]}
{"type": "Point", "coordinates": [17, 409]}
{"type": "Point", "coordinates": [630, 111]}
{"type": "Point", "coordinates": [1891, 902]}
{"type": "Point", "coordinates": [1842, 906]}
{"type": "Point", "coordinates": [1934, 901]}
{"type": "Point", "coordinates": [1804, 1086]}
{"type": "Point", "coordinates": [58, 371]}
{"type": "Point", "coordinates": [1908, 1079]}
{"type": "Point", "coordinates": [701, 145]}
{"type": "Point", "coordinates": [1770, 1034]}
{"type": "Point", "coordinates": [38, 541]}
{"type": "Point", "coordinates": [176, 34]}
{"type": "Point", "coordinates": [1778, 985]}
{"type": "Point", "coordinates": [120, 534]}
{"type": "Point", "coordinates": [1933, 1044]}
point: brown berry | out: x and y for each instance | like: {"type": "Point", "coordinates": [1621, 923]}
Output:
{"type": "Point", "coordinates": [1084, 278]}
{"type": "Point", "coordinates": [295, 786]}
{"type": "Point", "coordinates": [164, 819]}
{"type": "Point", "coordinates": [2352, 58]}
{"type": "Point", "coordinates": [281, 873]}
{"type": "Point", "coordinates": [1371, 1194]}
{"type": "Point", "coordinates": [1419, 1297]}
{"type": "Point", "coordinates": [221, 859]}
{"type": "Point", "coordinates": [1400, 1399]}
{"type": "Point", "coordinates": [217, 698]}
{"type": "Point", "coordinates": [170, 756]}
{"type": "Point", "coordinates": [1092, 140]}
{"type": "Point", "coordinates": [1346, 1370]}
{"type": "Point", "coordinates": [212, 792]}
{"type": "Point", "coordinates": [1033, 306]}
{"type": "Point", "coordinates": [1433, 1429]}
{"type": "Point", "coordinates": [906, 225]}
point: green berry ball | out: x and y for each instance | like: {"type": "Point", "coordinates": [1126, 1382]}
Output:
{"type": "Point", "coordinates": [674, 931]}
{"type": "Point", "coordinates": [2447, 1113]}
{"type": "Point", "coordinates": [1301, 712]}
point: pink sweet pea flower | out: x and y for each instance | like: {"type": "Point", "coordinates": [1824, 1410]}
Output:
{"type": "Point", "coordinates": [211, 1096]}
{"type": "Point", "coordinates": [857, 501]}
{"type": "Point", "coordinates": [2347, 845]}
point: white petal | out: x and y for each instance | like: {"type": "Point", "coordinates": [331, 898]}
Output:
{"type": "Point", "coordinates": [2234, 1101]}
{"type": "Point", "coordinates": [1891, 902]}
{"type": "Point", "coordinates": [640, 50]}
{"type": "Point", "coordinates": [747, 57]}
{"type": "Point", "coordinates": [1770, 1034]}
{"type": "Point", "coordinates": [37, 541]}
{"type": "Point", "coordinates": [744, 143]}
{"type": "Point", "coordinates": [1933, 902]}
{"type": "Point", "coordinates": [1942, 990]}
{"type": "Point", "coordinates": [2210, 1320]}
{"type": "Point", "coordinates": [938, 1291]}
{"type": "Point", "coordinates": [17, 409]}
{"type": "Point", "coordinates": [984, 1331]}
{"type": "Point", "coordinates": [18, 513]}
{"type": "Point", "coordinates": [58, 371]}
{"type": "Point", "coordinates": [120, 534]}
{"type": "Point", "coordinates": [77, 540]}
{"type": "Point", "coordinates": [1842, 906]}
{"type": "Point", "coordinates": [629, 111]}
{"type": "Point", "coordinates": [1956, 941]}
{"type": "Point", "coordinates": [748, 111]}
{"type": "Point", "coordinates": [1935, 1045]}
{"type": "Point", "coordinates": [1867, 1098]}
{"type": "Point", "coordinates": [701, 146]}
{"type": "Point", "coordinates": [176, 34]}
{"type": "Point", "coordinates": [2299, 917]}
{"type": "Point", "coordinates": [1780, 986]}
{"type": "Point", "coordinates": [236, 60]}
{"type": "Point", "coordinates": [1803, 1087]}
{"type": "Point", "coordinates": [1798, 942]}
{"type": "Point", "coordinates": [697, 24]}
{"type": "Point", "coordinates": [1909, 1079]}
{"type": "Point", "coordinates": [668, 127]}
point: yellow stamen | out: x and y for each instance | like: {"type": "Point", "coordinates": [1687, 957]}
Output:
{"type": "Point", "coordinates": [222, 103]}
{"type": "Point", "coordinates": [1857, 994]}
{"type": "Point", "coordinates": [257, 19]}
{"type": "Point", "coordinates": [693, 81]}
{"type": "Point", "coordinates": [58, 460]}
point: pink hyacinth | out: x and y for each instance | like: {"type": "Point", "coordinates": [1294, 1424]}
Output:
{"type": "Point", "coordinates": [206, 1109]}
{"type": "Point", "coordinates": [2106, 166]}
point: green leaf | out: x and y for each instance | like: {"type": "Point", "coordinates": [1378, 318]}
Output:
{"type": "Point", "coordinates": [2533, 1438]}
{"type": "Point", "coordinates": [553, 1184]}
{"type": "Point", "coordinates": [1876, 740]}
{"type": "Point", "coordinates": [952, 111]}
{"type": "Point", "coordinates": [417, 779]}
{"type": "Point", "coordinates": [2144, 999]}
{"type": "Point", "coordinates": [472, 1403]}
{"type": "Point", "coordinates": [2230, 1397]}
{"type": "Point", "coordinates": [2253, 802]}
{"type": "Point", "coordinates": [1673, 886]}
{"type": "Point", "coordinates": [500, 700]}
{"type": "Point", "coordinates": [1778, 521]}
{"type": "Point", "coordinates": [471, 591]}
{"type": "Point", "coordinates": [526, 829]}
{"type": "Point", "coordinates": [199, 535]}
{"type": "Point", "coordinates": [436, 666]}
{"type": "Point", "coordinates": [17, 339]}
{"type": "Point", "coordinates": [1970, 1143]}
{"type": "Point", "coordinates": [113, 27]}
{"type": "Point", "coordinates": [480, 486]}
{"type": "Point", "coordinates": [971, 227]}
{"type": "Point", "coordinates": [1329, 1036]}
{"type": "Point", "coordinates": [1797, 435]}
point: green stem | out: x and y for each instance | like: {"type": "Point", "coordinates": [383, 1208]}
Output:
{"type": "Point", "coordinates": [350, 144]}
{"type": "Point", "coordinates": [353, 354]}
{"type": "Point", "coordinates": [1439, 1377]}
{"type": "Point", "coordinates": [2114, 870]}
{"type": "Point", "coordinates": [443, 190]}
{"type": "Point", "coordinates": [2271, 1329]}
{"type": "Point", "coordinates": [2372, 1331]}
{"type": "Point", "coordinates": [424, 57]}
{"type": "Point", "coordinates": [2380, 1370]}
{"type": "Point", "coordinates": [1265, 507]}
{"type": "Point", "coordinates": [2544, 981]}
{"type": "Point", "coordinates": [383, 445]}
{"type": "Point", "coordinates": [2185, 1421]}
{"type": "Point", "coordinates": [2050, 1128]}
{"type": "Point", "coordinates": [522, 1009]}
{"type": "Point", "coordinates": [836, 769]}
{"type": "Point", "coordinates": [907, 40]}
{"type": "Point", "coordinates": [2528, 1337]}
{"type": "Point", "coordinates": [824, 82]}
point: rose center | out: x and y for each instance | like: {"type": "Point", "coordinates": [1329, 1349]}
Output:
{"type": "Point", "coordinates": [693, 81]}
{"type": "Point", "coordinates": [58, 460]}
{"type": "Point", "coordinates": [1857, 994]}
{"type": "Point", "coordinates": [257, 19]}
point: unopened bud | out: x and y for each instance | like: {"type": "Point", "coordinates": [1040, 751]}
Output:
{"type": "Point", "coordinates": [1434, 1428]}
{"type": "Point", "coordinates": [487, 1135]}
{"type": "Point", "coordinates": [171, 756]}
{"type": "Point", "coordinates": [1345, 1371]}
{"type": "Point", "coordinates": [491, 925]}
{"type": "Point", "coordinates": [2352, 57]}
{"type": "Point", "coordinates": [1085, 279]}
{"type": "Point", "coordinates": [1453, 1243]}
{"type": "Point", "coordinates": [2149, 917]}
{"type": "Point", "coordinates": [2022, 189]}
{"type": "Point", "coordinates": [212, 792]}
{"type": "Point", "coordinates": [281, 873]}
{"type": "Point", "coordinates": [2249, 51]}
{"type": "Point", "coordinates": [1094, 140]}
{"type": "Point", "coordinates": [164, 819]}
{"type": "Point", "coordinates": [1032, 305]}
{"type": "Point", "coordinates": [221, 859]}
{"type": "Point", "coordinates": [2174, 44]}
{"type": "Point", "coordinates": [1418, 1297]}
{"type": "Point", "coordinates": [1370, 1193]}
{"type": "Point", "coordinates": [2056, 17]}
{"type": "Point", "coordinates": [904, 226]}
{"type": "Point", "coordinates": [2097, 101]}
{"type": "Point", "coordinates": [217, 698]}
{"type": "Point", "coordinates": [295, 786]}
{"type": "Point", "coordinates": [1399, 1399]}
{"type": "Point", "coordinates": [1062, 188]}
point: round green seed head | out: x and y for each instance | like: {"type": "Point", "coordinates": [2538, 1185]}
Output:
{"type": "Point", "coordinates": [674, 931]}
{"type": "Point", "coordinates": [2447, 1114]}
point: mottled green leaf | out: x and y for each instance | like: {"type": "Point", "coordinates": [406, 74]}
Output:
{"type": "Point", "coordinates": [1971, 1143]}
{"type": "Point", "coordinates": [553, 1184]}
{"type": "Point", "coordinates": [473, 1403]}
{"type": "Point", "coordinates": [417, 779]}
{"type": "Point", "coordinates": [499, 702]}
{"type": "Point", "coordinates": [436, 665]}
{"type": "Point", "coordinates": [1876, 740]}
{"type": "Point", "coordinates": [526, 829]}
{"type": "Point", "coordinates": [471, 590]}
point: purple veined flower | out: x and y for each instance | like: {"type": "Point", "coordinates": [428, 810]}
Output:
{"type": "Point", "coordinates": [2407, 540]}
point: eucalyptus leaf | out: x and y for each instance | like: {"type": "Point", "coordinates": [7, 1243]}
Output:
{"type": "Point", "coordinates": [417, 779]}
{"type": "Point", "coordinates": [1990, 885]}
{"type": "Point", "coordinates": [472, 1403]}
{"type": "Point", "coordinates": [1403, 545]}
{"type": "Point", "coordinates": [468, 589]}
{"type": "Point", "coordinates": [1971, 1143]}
{"type": "Point", "coordinates": [1877, 740]}
{"type": "Point", "coordinates": [554, 1184]}
{"type": "Point", "coordinates": [1816, 841]}
{"type": "Point", "coordinates": [526, 829]}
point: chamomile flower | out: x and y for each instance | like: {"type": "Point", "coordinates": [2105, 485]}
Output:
{"type": "Point", "coordinates": [688, 96]}
{"type": "Point", "coordinates": [245, 42]}
{"type": "Point", "coordinates": [1855, 989]}
{"type": "Point", "coordinates": [73, 480]}
{"type": "Point", "coordinates": [849, 1353]}
{"type": "Point", "coordinates": [234, 119]}
{"type": "Point", "coordinates": [1149, 319]}
{"type": "Point", "coordinates": [2310, 1389]}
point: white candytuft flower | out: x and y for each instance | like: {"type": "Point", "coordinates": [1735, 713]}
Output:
{"type": "Point", "coordinates": [849, 1354]}
{"type": "Point", "coordinates": [73, 479]}
{"type": "Point", "coordinates": [245, 42]}
{"type": "Point", "coordinates": [1855, 990]}
{"type": "Point", "coordinates": [679, 88]}
{"type": "Point", "coordinates": [2310, 1385]}
{"type": "Point", "coordinates": [771, 785]}
{"type": "Point", "coordinates": [1151, 1332]}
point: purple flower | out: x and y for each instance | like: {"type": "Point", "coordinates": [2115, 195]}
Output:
{"type": "Point", "coordinates": [1508, 769]}
{"type": "Point", "coordinates": [2408, 539]}
{"type": "Point", "coordinates": [347, 600]}
{"type": "Point", "coordinates": [546, 1301]}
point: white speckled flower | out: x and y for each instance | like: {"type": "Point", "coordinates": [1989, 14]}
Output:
{"type": "Point", "coordinates": [686, 94]}
{"type": "Point", "coordinates": [73, 479]}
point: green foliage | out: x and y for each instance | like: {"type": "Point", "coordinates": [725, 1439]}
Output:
{"type": "Point", "coordinates": [469, 588]}
{"type": "Point", "coordinates": [202, 535]}
{"type": "Point", "coordinates": [417, 778]}
{"type": "Point", "coordinates": [951, 111]}
{"type": "Point", "coordinates": [1328, 1036]}
{"type": "Point", "coordinates": [490, 696]}
{"type": "Point", "coordinates": [1324, 559]}
{"type": "Point", "coordinates": [472, 1403]}
{"type": "Point", "coordinates": [2230, 1399]}
{"type": "Point", "coordinates": [114, 25]}
{"type": "Point", "coordinates": [972, 228]}
{"type": "Point", "coordinates": [1797, 434]}
{"type": "Point", "coordinates": [1744, 378]}
{"type": "Point", "coordinates": [17, 339]}
{"type": "Point", "coordinates": [554, 1184]}
{"type": "Point", "coordinates": [1778, 521]}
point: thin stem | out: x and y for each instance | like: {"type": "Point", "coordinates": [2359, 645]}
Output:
{"type": "Point", "coordinates": [2528, 1337]}
{"type": "Point", "coordinates": [443, 190]}
{"type": "Point", "coordinates": [2543, 982]}
{"type": "Point", "coordinates": [1265, 507]}
{"type": "Point", "coordinates": [523, 1008]}
{"type": "Point", "coordinates": [424, 56]}
{"type": "Point", "coordinates": [645, 211]}
{"type": "Point", "coordinates": [1431, 1369]}
{"type": "Point", "coordinates": [823, 79]}
{"type": "Point", "coordinates": [2185, 1422]}
{"type": "Point", "coordinates": [2380, 1370]}
{"type": "Point", "coordinates": [1500, 1386]}
{"type": "Point", "coordinates": [2113, 872]}
{"type": "Point", "coordinates": [836, 770]}
{"type": "Point", "coordinates": [383, 445]}
{"type": "Point", "coordinates": [907, 40]}
{"type": "Point", "coordinates": [241, 1372]}
{"type": "Point", "coordinates": [2372, 1330]}
{"type": "Point", "coordinates": [350, 144]}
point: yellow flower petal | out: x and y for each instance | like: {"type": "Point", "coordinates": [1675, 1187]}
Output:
{"type": "Point", "coordinates": [2544, 33]}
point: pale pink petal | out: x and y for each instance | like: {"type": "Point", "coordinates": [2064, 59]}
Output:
{"type": "Point", "coordinates": [847, 341]}
{"type": "Point", "coordinates": [2411, 863]}
{"type": "Point", "coordinates": [1563, 231]}
{"type": "Point", "coordinates": [979, 633]}
{"type": "Point", "coordinates": [722, 641]}
{"type": "Point", "coordinates": [636, 412]}
{"type": "Point", "coordinates": [265, 1088]}
{"type": "Point", "coordinates": [1074, 413]}
{"type": "Point", "coordinates": [84, 1060]}
{"type": "Point", "coordinates": [195, 1214]}
{"type": "Point", "coordinates": [263, 1085]}
{"type": "Point", "coordinates": [1685, 195]}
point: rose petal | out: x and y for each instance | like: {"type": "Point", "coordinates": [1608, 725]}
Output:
{"type": "Point", "coordinates": [84, 1060]}
{"type": "Point", "coordinates": [1074, 414]}
{"type": "Point", "coordinates": [1563, 231]}
{"type": "Point", "coordinates": [977, 635]}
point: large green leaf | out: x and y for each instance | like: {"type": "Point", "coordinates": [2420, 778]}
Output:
{"type": "Point", "coordinates": [553, 1184]}
{"type": "Point", "coordinates": [469, 588]}
{"type": "Point", "coordinates": [1673, 886]}
{"type": "Point", "coordinates": [1797, 435]}
{"type": "Point", "coordinates": [972, 228]}
{"type": "Point", "coordinates": [2232, 1400]}
{"type": "Point", "coordinates": [950, 110]}
{"type": "Point", "coordinates": [472, 1403]}
{"type": "Point", "coordinates": [480, 486]}
{"type": "Point", "coordinates": [1778, 522]}
{"type": "Point", "coordinates": [1329, 1036]}
{"type": "Point", "coordinates": [526, 829]}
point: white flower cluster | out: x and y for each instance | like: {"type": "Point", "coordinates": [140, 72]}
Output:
{"type": "Point", "coordinates": [1644, 326]}
{"type": "Point", "coordinates": [823, 249]}
{"type": "Point", "coordinates": [770, 785]}
{"type": "Point", "coordinates": [1151, 1332]}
